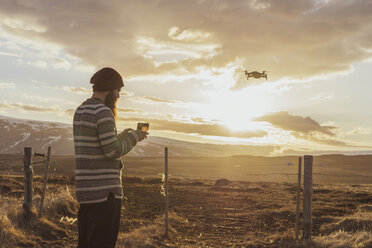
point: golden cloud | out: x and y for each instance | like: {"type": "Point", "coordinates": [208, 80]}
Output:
{"type": "Point", "coordinates": [296, 123]}
{"type": "Point", "coordinates": [27, 107]}
{"type": "Point", "coordinates": [199, 126]}
{"type": "Point", "coordinates": [209, 129]}
{"type": "Point", "coordinates": [290, 39]}
{"type": "Point", "coordinates": [130, 110]}
{"type": "Point", "coordinates": [304, 128]}
{"type": "Point", "coordinates": [79, 90]}
{"type": "Point", "coordinates": [152, 99]}
{"type": "Point", "coordinates": [157, 99]}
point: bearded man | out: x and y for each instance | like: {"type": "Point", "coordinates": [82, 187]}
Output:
{"type": "Point", "coordinates": [98, 148]}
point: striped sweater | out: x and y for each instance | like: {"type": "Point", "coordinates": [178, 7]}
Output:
{"type": "Point", "coordinates": [97, 149]}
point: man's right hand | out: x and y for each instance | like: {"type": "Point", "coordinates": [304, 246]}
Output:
{"type": "Point", "coordinates": [141, 134]}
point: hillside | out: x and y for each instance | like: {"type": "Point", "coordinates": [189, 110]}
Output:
{"type": "Point", "coordinates": [18, 133]}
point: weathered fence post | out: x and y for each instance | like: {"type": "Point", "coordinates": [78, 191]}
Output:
{"type": "Point", "coordinates": [45, 181]}
{"type": "Point", "coordinates": [27, 167]}
{"type": "Point", "coordinates": [298, 197]}
{"type": "Point", "coordinates": [308, 192]}
{"type": "Point", "coordinates": [166, 191]}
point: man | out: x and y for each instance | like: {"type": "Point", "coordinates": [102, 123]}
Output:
{"type": "Point", "coordinates": [98, 170]}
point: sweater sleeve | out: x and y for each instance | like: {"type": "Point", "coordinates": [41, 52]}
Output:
{"type": "Point", "coordinates": [112, 147]}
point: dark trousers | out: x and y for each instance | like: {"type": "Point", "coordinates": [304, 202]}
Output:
{"type": "Point", "coordinates": [98, 223]}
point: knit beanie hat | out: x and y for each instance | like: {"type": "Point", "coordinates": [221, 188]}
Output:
{"type": "Point", "coordinates": [106, 79]}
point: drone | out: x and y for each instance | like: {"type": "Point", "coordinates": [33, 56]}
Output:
{"type": "Point", "coordinates": [255, 74]}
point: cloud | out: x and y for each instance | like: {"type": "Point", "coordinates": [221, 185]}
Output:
{"type": "Point", "coordinates": [35, 52]}
{"type": "Point", "coordinates": [305, 128]}
{"type": "Point", "coordinates": [208, 129]}
{"type": "Point", "coordinates": [188, 35]}
{"type": "Point", "coordinates": [20, 24]}
{"type": "Point", "coordinates": [33, 108]}
{"type": "Point", "coordinates": [322, 96]}
{"type": "Point", "coordinates": [9, 54]}
{"type": "Point", "coordinates": [78, 90]}
{"type": "Point", "coordinates": [289, 39]}
{"type": "Point", "coordinates": [199, 126]}
{"type": "Point", "coordinates": [321, 139]}
{"type": "Point", "coordinates": [296, 123]}
{"type": "Point", "coordinates": [130, 110]}
{"type": "Point", "coordinates": [7, 85]}
{"type": "Point", "coordinates": [38, 63]}
{"type": "Point", "coordinates": [199, 120]}
{"type": "Point", "coordinates": [359, 131]}
{"type": "Point", "coordinates": [156, 99]}
{"type": "Point", "coordinates": [69, 112]}
{"type": "Point", "coordinates": [43, 99]}
{"type": "Point", "coordinates": [61, 63]}
{"type": "Point", "coordinates": [125, 93]}
{"type": "Point", "coordinates": [26, 107]}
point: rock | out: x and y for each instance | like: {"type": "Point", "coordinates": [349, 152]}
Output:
{"type": "Point", "coordinates": [222, 182]}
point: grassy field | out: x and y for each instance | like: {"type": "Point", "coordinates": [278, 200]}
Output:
{"type": "Point", "coordinates": [327, 168]}
{"type": "Point", "coordinates": [258, 211]}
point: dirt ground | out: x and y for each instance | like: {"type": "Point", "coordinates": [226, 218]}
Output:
{"type": "Point", "coordinates": [241, 214]}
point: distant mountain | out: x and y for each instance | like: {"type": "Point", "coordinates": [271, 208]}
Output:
{"type": "Point", "coordinates": [15, 134]}
{"type": "Point", "coordinates": [18, 133]}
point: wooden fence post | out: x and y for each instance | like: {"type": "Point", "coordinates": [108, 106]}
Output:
{"type": "Point", "coordinates": [27, 167]}
{"type": "Point", "coordinates": [166, 192]}
{"type": "Point", "coordinates": [298, 197]}
{"type": "Point", "coordinates": [308, 194]}
{"type": "Point", "coordinates": [45, 181]}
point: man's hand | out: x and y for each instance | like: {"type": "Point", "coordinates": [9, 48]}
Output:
{"type": "Point", "coordinates": [141, 134]}
{"type": "Point", "coordinates": [125, 132]}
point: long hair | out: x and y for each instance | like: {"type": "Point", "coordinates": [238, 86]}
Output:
{"type": "Point", "coordinates": [110, 102]}
{"type": "Point", "coordinates": [114, 110]}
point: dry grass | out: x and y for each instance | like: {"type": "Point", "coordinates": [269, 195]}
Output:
{"type": "Point", "coordinates": [153, 235]}
{"type": "Point", "coordinates": [18, 231]}
{"type": "Point", "coordinates": [10, 235]}
{"type": "Point", "coordinates": [140, 238]}
{"type": "Point", "coordinates": [353, 230]}
{"type": "Point", "coordinates": [341, 239]}
{"type": "Point", "coordinates": [242, 214]}
{"type": "Point", "coordinates": [47, 231]}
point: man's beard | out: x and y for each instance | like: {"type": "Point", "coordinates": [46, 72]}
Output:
{"type": "Point", "coordinates": [110, 102]}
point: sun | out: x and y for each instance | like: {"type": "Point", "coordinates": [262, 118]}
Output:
{"type": "Point", "coordinates": [236, 109]}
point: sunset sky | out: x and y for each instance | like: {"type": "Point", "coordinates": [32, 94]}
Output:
{"type": "Point", "coordinates": [183, 66]}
